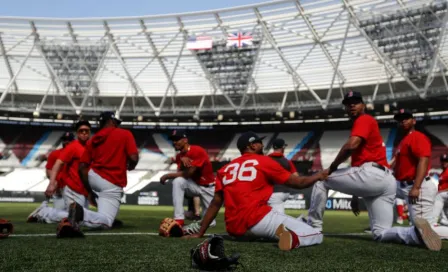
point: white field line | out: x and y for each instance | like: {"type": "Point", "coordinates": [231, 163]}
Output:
{"type": "Point", "coordinates": [153, 234]}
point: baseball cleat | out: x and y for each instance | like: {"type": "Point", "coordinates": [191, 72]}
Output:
{"type": "Point", "coordinates": [192, 228]}
{"type": "Point", "coordinates": [34, 216]}
{"type": "Point", "coordinates": [286, 240]}
{"type": "Point", "coordinates": [427, 235]}
{"type": "Point", "coordinates": [75, 214]}
{"type": "Point", "coordinates": [66, 230]}
{"type": "Point", "coordinates": [368, 230]}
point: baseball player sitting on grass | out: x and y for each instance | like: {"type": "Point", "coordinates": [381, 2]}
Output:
{"type": "Point", "coordinates": [369, 177]}
{"type": "Point", "coordinates": [245, 186]}
{"type": "Point", "coordinates": [281, 192]}
{"type": "Point", "coordinates": [67, 163]}
{"type": "Point", "coordinates": [194, 177]}
{"type": "Point", "coordinates": [107, 157]}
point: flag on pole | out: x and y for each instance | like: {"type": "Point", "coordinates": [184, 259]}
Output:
{"type": "Point", "coordinates": [239, 39]}
{"type": "Point", "coordinates": [199, 43]}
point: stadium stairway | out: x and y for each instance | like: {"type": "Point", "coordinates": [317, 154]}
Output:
{"type": "Point", "coordinates": [164, 144]}
{"type": "Point", "coordinates": [48, 141]}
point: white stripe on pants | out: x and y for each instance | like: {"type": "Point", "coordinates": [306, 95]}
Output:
{"type": "Point", "coordinates": [378, 189]}
{"type": "Point", "coordinates": [277, 201]}
{"type": "Point", "coordinates": [425, 207]}
{"type": "Point", "coordinates": [266, 228]}
{"type": "Point", "coordinates": [109, 198]}
{"type": "Point", "coordinates": [182, 187]}
{"type": "Point", "coordinates": [55, 215]}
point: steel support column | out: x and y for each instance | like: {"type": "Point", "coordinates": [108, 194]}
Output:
{"type": "Point", "coordinates": [375, 48]}
{"type": "Point", "coordinates": [54, 77]}
{"type": "Point", "coordinates": [296, 77]}
{"type": "Point", "coordinates": [8, 65]}
{"type": "Point", "coordinates": [13, 79]}
{"type": "Point", "coordinates": [123, 64]}
{"type": "Point", "coordinates": [338, 62]}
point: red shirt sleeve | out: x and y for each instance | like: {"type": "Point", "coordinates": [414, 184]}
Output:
{"type": "Point", "coordinates": [273, 171]}
{"type": "Point", "coordinates": [292, 167]}
{"type": "Point", "coordinates": [67, 153]}
{"type": "Point", "coordinates": [198, 157]}
{"type": "Point", "coordinates": [362, 127]}
{"type": "Point", "coordinates": [52, 159]}
{"type": "Point", "coordinates": [87, 154]}
{"type": "Point", "coordinates": [131, 146]}
{"type": "Point", "coordinates": [420, 146]}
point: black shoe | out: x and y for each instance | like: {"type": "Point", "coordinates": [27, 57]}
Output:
{"type": "Point", "coordinates": [117, 224]}
{"type": "Point", "coordinates": [75, 214]}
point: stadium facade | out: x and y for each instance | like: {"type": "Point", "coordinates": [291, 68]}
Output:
{"type": "Point", "coordinates": [257, 60]}
{"type": "Point", "coordinates": [279, 68]}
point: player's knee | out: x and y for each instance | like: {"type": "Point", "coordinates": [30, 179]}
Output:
{"type": "Point", "coordinates": [178, 182]}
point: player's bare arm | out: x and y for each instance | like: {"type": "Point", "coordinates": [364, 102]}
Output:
{"type": "Point", "coordinates": [352, 144]}
{"type": "Point", "coordinates": [212, 211]}
{"type": "Point", "coordinates": [83, 171]}
{"type": "Point", "coordinates": [187, 173]}
{"type": "Point", "coordinates": [132, 161]}
{"type": "Point", "coordinates": [51, 189]}
{"type": "Point", "coordinates": [419, 176]}
{"type": "Point", "coordinates": [392, 162]}
{"type": "Point", "coordinates": [297, 182]}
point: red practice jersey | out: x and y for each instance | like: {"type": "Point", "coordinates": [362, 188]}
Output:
{"type": "Point", "coordinates": [411, 148]}
{"type": "Point", "coordinates": [107, 154]}
{"type": "Point", "coordinates": [200, 159]}
{"type": "Point", "coordinates": [372, 148]}
{"type": "Point", "coordinates": [51, 160]}
{"type": "Point", "coordinates": [71, 156]}
{"type": "Point", "coordinates": [443, 180]}
{"type": "Point", "coordinates": [246, 183]}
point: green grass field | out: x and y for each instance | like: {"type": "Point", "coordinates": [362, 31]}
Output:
{"type": "Point", "coordinates": [128, 251]}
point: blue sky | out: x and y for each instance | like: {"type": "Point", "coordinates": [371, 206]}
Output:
{"type": "Point", "coordinates": [107, 8]}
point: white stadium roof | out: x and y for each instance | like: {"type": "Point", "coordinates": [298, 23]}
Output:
{"type": "Point", "coordinates": [308, 54]}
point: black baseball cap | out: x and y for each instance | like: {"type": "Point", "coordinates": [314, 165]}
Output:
{"type": "Point", "coordinates": [67, 136]}
{"type": "Point", "coordinates": [444, 158]}
{"type": "Point", "coordinates": [177, 134]}
{"type": "Point", "coordinates": [278, 143]}
{"type": "Point", "coordinates": [352, 97]}
{"type": "Point", "coordinates": [82, 123]}
{"type": "Point", "coordinates": [403, 114]}
{"type": "Point", "coordinates": [248, 138]}
{"type": "Point", "coordinates": [108, 115]}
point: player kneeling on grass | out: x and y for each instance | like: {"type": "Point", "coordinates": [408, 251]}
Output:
{"type": "Point", "coordinates": [370, 178]}
{"type": "Point", "coordinates": [103, 167]}
{"type": "Point", "coordinates": [245, 186]}
{"type": "Point", "coordinates": [194, 177]}
{"type": "Point", "coordinates": [66, 166]}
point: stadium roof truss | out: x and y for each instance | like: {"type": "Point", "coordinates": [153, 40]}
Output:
{"type": "Point", "coordinates": [302, 55]}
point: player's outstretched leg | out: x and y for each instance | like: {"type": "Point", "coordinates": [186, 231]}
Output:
{"type": "Point", "coordinates": [290, 232]}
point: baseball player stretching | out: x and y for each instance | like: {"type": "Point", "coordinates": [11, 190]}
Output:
{"type": "Point", "coordinates": [73, 190]}
{"type": "Point", "coordinates": [368, 177]}
{"type": "Point", "coordinates": [412, 164]}
{"type": "Point", "coordinates": [58, 200]}
{"type": "Point", "coordinates": [281, 192]}
{"type": "Point", "coordinates": [245, 186]}
{"type": "Point", "coordinates": [194, 175]}
{"type": "Point", "coordinates": [442, 196]}
{"type": "Point", "coordinates": [103, 167]}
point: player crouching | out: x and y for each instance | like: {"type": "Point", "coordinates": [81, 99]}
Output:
{"type": "Point", "coordinates": [245, 186]}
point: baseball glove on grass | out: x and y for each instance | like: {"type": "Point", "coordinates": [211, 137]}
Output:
{"type": "Point", "coordinates": [170, 228]}
{"type": "Point", "coordinates": [210, 256]}
{"type": "Point", "coordinates": [6, 228]}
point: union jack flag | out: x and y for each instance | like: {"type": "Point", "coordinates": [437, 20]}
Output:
{"type": "Point", "coordinates": [239, 39]}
